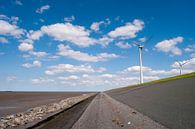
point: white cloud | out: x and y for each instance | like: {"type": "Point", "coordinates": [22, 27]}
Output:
{"type": "Point", "coordinates": [27, 44]}
{"type": "Point", "coordinates": [77, 55]}
{"type": "Point", "coordinates": [123, 45]}
{"type": "Point", "coordinates": [169, 46]}
{"type": "Point", "coordinates": [4, 17]}
{"type": "Point", "coordinates": [190, 64]}
{"type": "Point", "coordinates": [13, 19]}
{"type": "Point", "coordinates": [35, 35]}
{"type": "Point", "coordinates": [34, 64]}
{"type": "Point", "coordinates": [18, 2]}
{"type": "Point", "coordinates": [69, 32]}
{"type": "Point", "coordinates": [8, 29]}
{"type": "Point", "coordinates": [104, 41]}
{"type": "Point", "coordinates": [143, 39]}
{"type": "Point", "coordinates": [38, 54]}
{"type": "Point", "coordinates": [25, 47]}
{"type": "Point", "coordinates": [107, 75]}
{"type": "Point", "coordinates": [63, 68]}
{"type": "Point", "coordinates": [69, 19]}
{"type": "Point", "coordinates": [133, 70]}
{"type": "Point", "coordinates": [3, 40]}
{"type": "Point", "coordinates": [95, 26]}
{"type": "Point", "coordinates": [130, 30]}
{"type": "Point", "coordinates": [102, 81]}
{"type": "Point", "coordinates": [190, 48]}
{"type": "Point", "coordinates": [11, 78]}
{"type": "Point", "coordinates": [42, 9]}
{"type": "Point", "coordinates": [137, 69]}
{"type": "Point", "coordinates": [72, 77]}
{"type": "Point", "coordinates": [42, 81]}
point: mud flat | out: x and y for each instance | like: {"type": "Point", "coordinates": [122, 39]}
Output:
{"type": "Point", "coordinates": [14, 102]}
{"type": "Point", "coordinates": [41, 112]}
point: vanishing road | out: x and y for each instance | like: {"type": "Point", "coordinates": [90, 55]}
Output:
{"type": "Point", "coordinates": [167, 105]}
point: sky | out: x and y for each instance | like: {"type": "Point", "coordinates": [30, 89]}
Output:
{"type": "Point", "coordinates": [75, 45]}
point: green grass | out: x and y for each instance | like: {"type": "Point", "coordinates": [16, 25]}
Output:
{"type": "Point", "coordinates": [159, 81]}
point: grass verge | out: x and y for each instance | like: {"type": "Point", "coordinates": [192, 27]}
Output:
{"type": "Point", "coordinates": [159, 81]}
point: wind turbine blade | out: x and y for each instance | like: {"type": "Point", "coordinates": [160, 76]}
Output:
{"type": "Point", "coordinates": [147, 41]}
{"type": "Point", "coordinates": [137, 44]}
{"type": "Point", "coordinates": [180, 65]}
{"type": "Point", "coordinates": [185, 62]}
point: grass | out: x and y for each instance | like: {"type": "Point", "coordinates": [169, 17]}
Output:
{"type": "Point", "coordinates": [160, 81]}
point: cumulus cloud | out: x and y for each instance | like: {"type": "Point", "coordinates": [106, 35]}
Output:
{"type": "Point", "coordinates": [10, 29]}
{"type": "Point", "coordinates": [13, 19]}
{"type": "Point", "coordinates": [95, 26]}
{"type": "Point", "coordinates": [3, 40]}
{"type": "Point", "coordinates": [69, 19]}
{"type": "Point", "coordinates": [190, 48]}
{"type": "Point", "coordinates": [25, 47]}
{"type": "Point", "coordinates": [77, 55]}
{"type": "Point", "coordinates": [150, 72]}
{"type": "Point", "coordinates": [189, 64]}
{"type": "Point", "coordinates": [69, 32]}
{"type": "Point", "coordinates": [62, 68]}
{"type": "Point", "coordinates": [104, 41]}
{"type": "Point", "coordinates": [135, 69]}
{"type": "Point", "coordinates": [129, 30]}
{"type": "Point", "coordinates": [33, 64]}
{"type": "Point", "coordinates": [42, 9]}
{"type": "Point", "coordinates": [169, 46]}
{"type": "Point", "coordinates": [123, 45]}
{"type": "Point", "coordinates": [104, 81]}
{"type": "Point", "coordinates": [38, 54]}
{"type": "Point", "coordinates": [34, 35]}
{"type": "Point", "coordinates": [42, 80]}
{"type": "Point", "coordinates": [72, 77]}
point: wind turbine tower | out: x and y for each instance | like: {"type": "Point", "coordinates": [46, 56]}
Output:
{"type": "Point", "coordinates": [141, 46]}
{"type": "Point", "coordinates": [140, 61]}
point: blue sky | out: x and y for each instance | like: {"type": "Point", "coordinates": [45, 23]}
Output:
{"type": "Point", "coordinates": [90, 45]}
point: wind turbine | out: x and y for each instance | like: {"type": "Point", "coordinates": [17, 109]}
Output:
{"type": "Point", "coordinates": [181, 66]}
{"type": "Point", "coordinates": [140, 47]}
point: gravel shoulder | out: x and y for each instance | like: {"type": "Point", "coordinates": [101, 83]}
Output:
{"type": "Point", "coordinates": [65, 119]}
{"type": "Point", "coordinates": [105, 112]}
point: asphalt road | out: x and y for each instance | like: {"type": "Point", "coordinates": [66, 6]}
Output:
{"type": "Point", "coordinates": [107, 113]}
{"type": "Point", "coordinates": [171, 103]}
{"type": "Point", "coordinates": [14, 102]}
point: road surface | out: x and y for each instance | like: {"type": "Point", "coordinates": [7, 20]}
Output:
{"type": "Point", "coordinates": [171, 103]}
{"type": "Point", "coordinates": [107, 113]}
{"type": "Point", "coordinates": [102, 112]}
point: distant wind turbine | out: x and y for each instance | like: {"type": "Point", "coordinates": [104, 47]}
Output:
{"type": "Point", "coordinates": [181, 66]}
{"type": "Point", "coordinates": [141, 46]}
